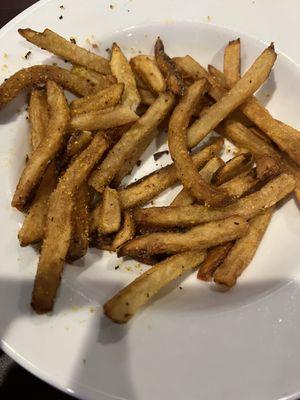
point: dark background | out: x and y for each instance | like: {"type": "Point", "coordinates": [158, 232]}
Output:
{"type": "Point", "coordinates": [14, 378]}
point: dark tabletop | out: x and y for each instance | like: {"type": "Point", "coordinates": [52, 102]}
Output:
{"type": "Point", "coordinates": [14, 378]}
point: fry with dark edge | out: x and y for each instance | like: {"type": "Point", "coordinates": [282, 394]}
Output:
{"type": "Point", "coordinates": [110, 214]}
{"type": "Point", "coordinates": [126, 232]}
{"type": "Point", "coordinates": [146, 68]}
{"type": "Point", "coordinates": [100, 80]}
{"type": "Point", "coordinates": [235, 166]}
{"type": "Point", "coordinates": [51, 41]}
{"type": "Point", "coordinates": [169, 70]}
{"type": "Point", "coordinates": [266, 168]}
{"type": "Point", "coordinates": [214, 258]}
{"type": "Point", "coordinates": [38, 116]}
{"type": "Point", "coordinates": [48, 148]}
{"type": "Point", "coordinates": [126, 303]}
{"type": "Point", "coordinates": [59, 225]}
{"type": "Point", "coordinates": [232, 62]}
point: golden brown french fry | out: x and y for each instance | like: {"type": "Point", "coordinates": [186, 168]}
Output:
{"type": "Point", "coordinates": [247, 207]}
{"type": "Point", "coordinates": [200, 237]}
{"type": "Point", "coordinates": [77, 142]}
{"type": "Point", "coordinates": [146, 68]}
{"type": "Point", "coordinates": [126, 233]}
{"type": "Point", "coordinates": [184, 198]}
{"type": "Point", "coordinates": [147, 98]}
{"type": "Point", "coordinates": [243, 250]}
{"type": "Point", "coordinates": [51, 41]}
{"type": "Point", "coordinates": [110, 214]}
{"type": "Point", "coordinates": [47, 149]}
{"type": "Point", "coordinates": [237, 165]}
{"type": "Point", "coordinates": [186, 170]}
{"type": "Point", "coordinates": [238, 94]}
{"type": "Point", "coordinates": [232, 62]}
{"type": "Point", "coordinates": [105, 98]}
{"type": "Point", "coordinates": [59, 225]}
{"type": "Point", "coordinates": [218, 75]}
{"type": "Point", "coordinates": [38, 116]}
{"type": "Point", "coordinates": [214, 258]}
{"type": "Point", "coordinates": [266, 168]}
{"type": "Point", "coordinates": [121, 68]}
{"type": "Point", "coordinates": [138, 133]}
{"type": "Point", "coordinates": [127, 302]}
{"type": "Point", "coordinates": [79, 241]}
{"type": "Point", "coordinates": [103, 119]}
{"type": "Point", "coordinates": [169, 70]}
{"type": "Point", "coordinates": [240, 185]}
{"type": "Point", "coordinates": [150, 186]}
{"type": "Point", "coordinates": [99, 80]}
{"type": "Point", "coordinates": [39, 74]}
{"type": "Point", "coordinates": [260, 134]}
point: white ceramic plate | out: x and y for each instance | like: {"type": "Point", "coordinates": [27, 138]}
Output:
{"type": "Point", "coordinates": [188, 344]}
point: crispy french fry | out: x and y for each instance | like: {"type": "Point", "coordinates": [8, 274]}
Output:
{"type": "Point", "coordinates": [240, 185]}
{"type": "Point", "coordinates": [218, 75]}
{"type": "Point", "coordinates": [47, 149]}
{"type": "Point", "coordinates": [126, 303]}
{"type": "Point", "coordinates": [79, 242]}
{"type": "Point", "coordinates": [138, 133]}
{"type": "Point", "coordinates": [214, 258]}
{"type": "Point", "coordinates": [78, 141]}
{"type": "Point", "coordinates": [126, 233]}
{"type": "Point", "coordinates": [150, 186]}
{"type": "Point", "coordinates": [99, 80]}
{"type": "Point", "coordinates": [184, 198]}
{"type": "Point", "coordinates": [232, 62]}
{"type": "Point", "coordinates": [198, 238]}
{"type": "Point", "coordinates": [237, 165]}
{"type": "Point", "coordinates": [260, 134]}
{"type": "Point", "coordinates": [247, 207]}
{"type": "Point", "coordinates": [169, 70]}
{"type": "Point", "coordinates": [266, 168]}
{"type": "Point", "coordinates": [147, 98]}
{"type": "Point", "coordinates": [59, 225]}
{"type": "Point", "coordinates": [38, 116]}
{"type": "Point", "coordinates": [146, 68]}
{"type": "Point", "coordinates": [51, 41]}
{"type": "Point", "coordinates": [243, 250]}
{"type": "Point", "coordinates": [240, 92]}
{"type": "Point", "coordinates": [122, 70]}
{"type": "Point", "coordinates": [110, 214]}
{"type": "Point", "coordinates": [103, 119]}
{"type": "Point", "coordinates": [186, 170]}
{"type": "Point", "coordinates": [105, 98]}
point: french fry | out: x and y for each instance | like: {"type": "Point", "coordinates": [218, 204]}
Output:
{"type": "Point", "coordinates": [59, 225]}
{"type": "Point", "coordinates": [150, 186]}
{"type": "Point", "coordinates": [51, 41]}
{"type": "Point", "coordinates": [47, 149]}
{"type": "Point", "coordinates": [147, 98]}
{"type": "Point", "coordinates": [146, 68]}
{"type": "Point", "coordinates": [110, 215]}
{"type": "Point", "coordinates": [240, 185]}
{"type": "Point", "coordinates": [237, 165]}
{"type": "Point", "coordinates": [186, 170]}
{"type": "Point", "coordinates": [184, 198]}
{"type": "Point", "coordinates": [198, 238]}
{"type": "Point", "coordinates": [127, 302]}
{"type": "Point", "coordinates": [214, 258]}
{"type": "Point", "coordinates": [126, 233]}
{"type": "Point", "coordinates": [79, 241]}
{"type": "Point", "coordinates": [138, 133]}
{"type": "Point", "coordinates": [247, 207]}
{"type": "Point", "coordinates": [218, 75]}
{"type": "Point", "coordinates": [169, 70]}
{"type": "Point", "coordinates": [121, 68]}
{"type": "Point", "coordinates": [77, 142]}
{"type": "Point", "coordinates": [39, 74]}
{"type": "Point", "coordinates": [232, 62]}
{"type": "Point", "coordinates": [105, 98]}
{"type": "Point", "coordinates": [38, 116]}
{"type": "Point", "coordinates": [103, 119]}
{"type": "Point", "coordinates": [243, 250]}
{"type": "Point", "coordinates": [266, 168]}
{"type": "Point", "coordinates": [99, 80]}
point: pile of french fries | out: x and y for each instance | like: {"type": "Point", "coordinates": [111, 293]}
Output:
{"type": "Point", "coordinates": [71, 187]}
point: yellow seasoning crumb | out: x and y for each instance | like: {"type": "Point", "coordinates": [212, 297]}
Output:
{"type": "Point", "coordinates": [5, 55]}
{"type": "Point", "coordinates": [92, 310]}
{"type": "Point", "coordinates": [208, 18]}
{"type": "Point", "coordinates": [67, 328]}
{"type": "Point", "coordinates": [75, 308]}
{"type": "Point", "coordinates": [128, 269]}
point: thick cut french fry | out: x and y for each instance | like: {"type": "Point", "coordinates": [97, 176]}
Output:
{"type": "Point", "coordinates": [77, 142]}
{"type": "Point", "coordinates": [243, 250]}
{"type": "Point", "coordinates": [126, 303]}
{"type": "Point", "coordinates": [150, 186]}
{"type": "Point", "coordinates": [126, 233]}
{"type": "Point", "coordinates": [237, 165]}
{"type": "Point", "coordinates": [51, 41]}
{"type": "Point", "coordinates": [247, 207]}
{"type": "Point", "coordinates": [217, 74]}
{"type": "Point", "coordinates": [105, 98]}
{"type": "Point", "coordinates": [59, 225]}
{"type": "Point", "coordinates": [169, 70]}
{"type": "Point", "coordinates": [240, 185]}
{"type": "Point", "coordinates": [48, 148]}
{"type": "Point", "coordinates": [198, 238]}
{"type": "Point", "coordinates": [147, 98]}
{"type": "Point", "coordinates": [121, 69]}
{"type": "Point", "coordinates": [99, 80]}
{"type": "Point", "coordinates": [137, 134]}
{"type": "Point", "coordinates": [103, 119]}
{"type": "Point", "coordinates": [232, 62]}
{"type": "Point", "coordinates": [146, 68]}
{"type": "Point", "coordinates": [186, 170]}
{"type": "Point", "coordinates": [184, 198]}
{"type": "Point", "coordinates": [38, 116]}
{"type": "Point", "coordinates": [79, 242]}
{"type": "Point", "coordinates": [266, 168]}
{"type": "Point", "coordinates": [110, 215]}
{"type": "Point", "coordinates": [238, 94]}
{"type": "Point", "coordinates": [214, 258]}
